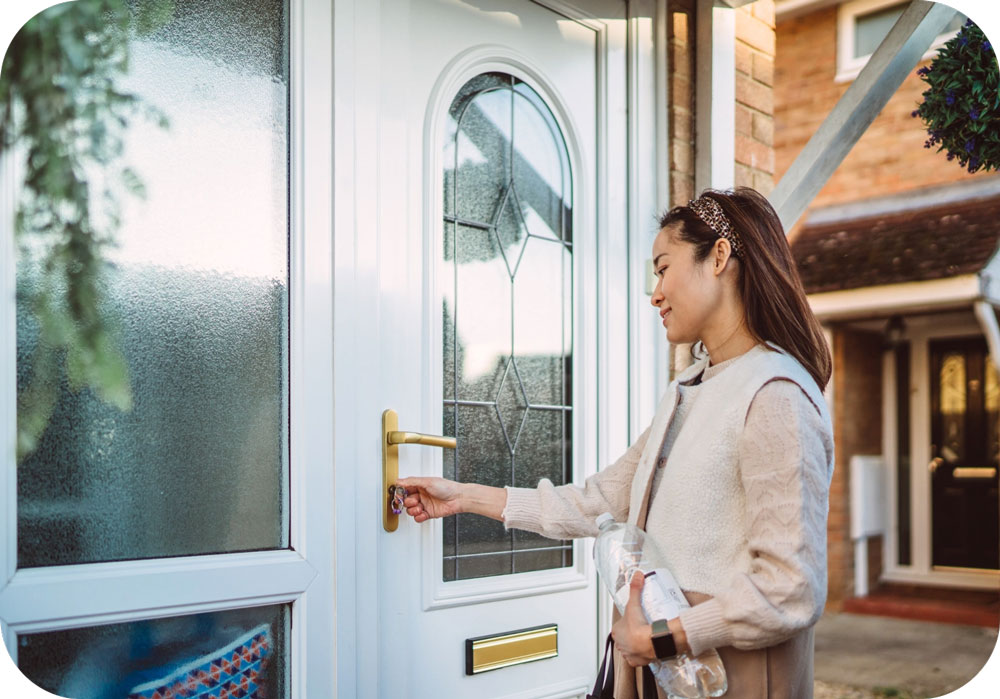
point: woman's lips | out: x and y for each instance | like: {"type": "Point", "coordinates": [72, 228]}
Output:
{"type": "Point", "coordinates": [664, 314]}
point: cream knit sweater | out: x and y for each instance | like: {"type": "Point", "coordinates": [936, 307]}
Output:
{"type": "Point", "coordinates": [785, 460]}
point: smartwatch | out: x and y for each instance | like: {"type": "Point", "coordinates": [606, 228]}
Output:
{"type": "Point", "coordinates": [664, 645]}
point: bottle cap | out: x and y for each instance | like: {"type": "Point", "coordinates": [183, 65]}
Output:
{"type": "Point", "coordinates": [602, 519]}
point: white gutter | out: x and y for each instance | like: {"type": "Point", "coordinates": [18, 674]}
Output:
{"type": "Point", "coordinates": [888, 299]}
{"type": "Point", "coordinates": [988, 321]}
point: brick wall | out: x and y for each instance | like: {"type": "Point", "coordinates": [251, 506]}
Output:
{"type": "Point", "coordinates": [889, 158]}
{"type": "Point", "coordinates": [680, 86]}
{"type": "Point", "coordinates": [755, 56]}
{"type": "Point", "coordinates": [857, 429]}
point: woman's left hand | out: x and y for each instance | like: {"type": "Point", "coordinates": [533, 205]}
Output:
{"type": "Point", "coordinates": [632, 634]}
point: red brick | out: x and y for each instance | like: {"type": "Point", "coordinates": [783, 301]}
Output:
{"type": "Point", "coordinates": [763, 129]}
{"type": "Point", "coordinates": [744, 120]}
{"type": "Point", "coordinates": [754, 94]}
{"type": "Point", "coordinates": [753, 153]}
{"type": "Point", "coordinates": [764, 11]}
{"type": "Point", "coordinates": [755, 32]}
{"type": "Point", "coordinates": [744, 58]}
{"type": "Point", "coordinates": [763, 182]}
{"type": "Point", "coordinates": [763, 69]}
{"type": "Point", "coordinates": [744, 175]}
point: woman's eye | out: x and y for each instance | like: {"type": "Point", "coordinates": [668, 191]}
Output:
{"type": "Point", "coordinates": [660, 271]}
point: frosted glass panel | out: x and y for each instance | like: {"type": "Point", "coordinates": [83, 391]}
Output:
{"type": "Point", "coordinates": [199, 294]}
{"type": "Point", "coordinates": [242, 651]}
{"type": "Point", "coordinates": [508, 314]}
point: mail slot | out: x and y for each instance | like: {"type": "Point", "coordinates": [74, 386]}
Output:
{"type": "Point", "coordinates": [511, 648]}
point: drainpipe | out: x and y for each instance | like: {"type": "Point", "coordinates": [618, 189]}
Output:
{"type": "Point", "coordinates": [988, 321]}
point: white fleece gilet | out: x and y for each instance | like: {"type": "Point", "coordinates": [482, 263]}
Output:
{"type": "Point", "coordinates": [699, 517]}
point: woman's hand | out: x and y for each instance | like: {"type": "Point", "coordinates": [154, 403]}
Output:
{"type": "Point", "coordinates": [632, 634]}
{"type": "Point", "coordinates": [430, 498]}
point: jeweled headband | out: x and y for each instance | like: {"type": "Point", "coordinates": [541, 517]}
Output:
{"type": "Point", "coordinates": [709, 211]}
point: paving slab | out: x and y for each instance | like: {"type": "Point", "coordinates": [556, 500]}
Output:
{"type": "Point", "coordinates": [880, 654]}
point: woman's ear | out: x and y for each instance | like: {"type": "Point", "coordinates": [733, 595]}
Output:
{"type": "Point", "coordinates": [721, 252]}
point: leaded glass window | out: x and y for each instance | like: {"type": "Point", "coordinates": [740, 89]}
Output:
{"type": "Point", "coordinates": [508, 315]}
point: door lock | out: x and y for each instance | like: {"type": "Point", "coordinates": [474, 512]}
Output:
{"type": "Point", "coordinates": [392, 437]}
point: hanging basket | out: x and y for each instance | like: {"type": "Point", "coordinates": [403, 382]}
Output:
{"type": "Point", "coordinates": [961, 106]}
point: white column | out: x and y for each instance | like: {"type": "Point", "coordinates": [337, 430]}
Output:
{"type": "Point", "coordinates": [715, 97]}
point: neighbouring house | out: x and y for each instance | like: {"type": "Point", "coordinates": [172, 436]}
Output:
{"type": "Point", "coordinates": [899, 256]}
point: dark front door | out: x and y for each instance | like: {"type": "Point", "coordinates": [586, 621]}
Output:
{"type": "Point", "coordinates": [965, 409]}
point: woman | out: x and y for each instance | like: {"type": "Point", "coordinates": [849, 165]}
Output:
{"type": "Point", "coordinates": [732, 477]}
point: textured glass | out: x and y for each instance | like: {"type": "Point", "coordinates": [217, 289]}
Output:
{"type": "Point", "coordinates": [480, 299]}
{"type": "Point", "coordinates": [953, 407]}
{"type": "Point", "coordinates": [508, 314]}
{"type": "Point", "coordinates": [105, 662]}
{"type": "Point", "coordinates": [198, 292]}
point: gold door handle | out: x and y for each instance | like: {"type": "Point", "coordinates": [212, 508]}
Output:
{"type": "Point", "coordinates": [935, 464]}
{"type": "Point", "coordinates": [429, 440]}
{"type": "Point", "coordinates": [392, 437]}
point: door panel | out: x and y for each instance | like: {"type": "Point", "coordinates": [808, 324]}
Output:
{"type": "Point", "coordinates": [965, 410]}
{"type": "Point", "coordinates": [486, 241]}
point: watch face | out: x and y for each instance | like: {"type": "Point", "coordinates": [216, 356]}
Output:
{"type": "Point", "coordinates": [664, 646]}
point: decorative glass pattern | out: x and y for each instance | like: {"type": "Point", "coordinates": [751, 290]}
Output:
{"type": "Point", "coordinates": [199, 294]}
{"type": "Point", "coordinates": [235, 653]}
{"type": "Point", "coordinates": [508, 315]}
{"type": "Point", "coordinates": [953, 407]}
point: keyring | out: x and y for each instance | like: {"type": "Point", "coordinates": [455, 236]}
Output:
{"type": "Point", "coordinates": [396, 494]}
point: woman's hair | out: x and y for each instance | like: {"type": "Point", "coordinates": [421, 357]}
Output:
{"type": "Point", "coordinates": [774, 300]}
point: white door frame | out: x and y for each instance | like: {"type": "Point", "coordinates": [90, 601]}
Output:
{"type": "Point", "coordinates": [61, 597]}
{"type": "Point", "coordinates": [920, 331]}
{"type": "Point", "coordinates": [641, 362]}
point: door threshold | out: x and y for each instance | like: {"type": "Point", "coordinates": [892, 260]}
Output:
{"type": "Point", "coordinates": [925, 603]}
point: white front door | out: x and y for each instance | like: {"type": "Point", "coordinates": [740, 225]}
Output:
{"type": "Point", "coordinates": [483, 291]}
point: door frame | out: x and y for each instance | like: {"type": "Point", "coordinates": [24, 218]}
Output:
{"type": "Point", "coordinates": [61, 597]}
{"type": "Point", "coordinates": [632, 347]}
{"type": "Point", "coordinates": [920, 332]}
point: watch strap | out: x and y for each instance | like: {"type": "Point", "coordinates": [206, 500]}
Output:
{"type": "Point", "coordinates": [664, 645]}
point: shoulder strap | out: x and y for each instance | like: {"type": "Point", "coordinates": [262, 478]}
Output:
{"type": "Point", "coordinates": [604, 685]}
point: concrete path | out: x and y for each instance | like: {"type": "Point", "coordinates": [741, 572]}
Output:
{"type": "Point", "coordinates": [870, 656]}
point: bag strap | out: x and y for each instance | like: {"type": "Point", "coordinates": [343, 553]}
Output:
{"type": "Point", "coordinates": [649, 690]}
{"type": "Point", "coordinates": [604, 685]}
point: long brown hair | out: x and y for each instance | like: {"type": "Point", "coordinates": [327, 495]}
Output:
{"type": "Point", "coordinates": [774, 299]}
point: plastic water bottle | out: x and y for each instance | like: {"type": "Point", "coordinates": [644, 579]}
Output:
{"type": "Point", "coordinates": [621, 550]}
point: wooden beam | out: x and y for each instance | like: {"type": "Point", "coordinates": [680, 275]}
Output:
{"type": "Point", "coordinates": [885, 71]}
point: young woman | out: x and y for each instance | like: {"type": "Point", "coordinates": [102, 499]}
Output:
{"type": "Point", "coordinates": [731, 478]}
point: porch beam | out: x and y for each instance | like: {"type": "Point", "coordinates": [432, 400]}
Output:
{"type": "Point", "coordinates": [896, 56]}
{"type": "Point", "coordinates": [715, 97]}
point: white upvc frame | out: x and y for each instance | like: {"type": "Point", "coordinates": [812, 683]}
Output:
{"type": "Point", "coordinates": [45, 599]}
{"type": "Point", "coordinates": [849, 66]}
{"type": "Point", "coordinates": [920, 332]}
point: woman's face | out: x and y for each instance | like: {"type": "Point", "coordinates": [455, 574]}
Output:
{"type": "Point", "coordinates": [687, 292]}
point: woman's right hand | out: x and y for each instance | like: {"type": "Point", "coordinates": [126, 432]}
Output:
{"type": "Point", "coordinates": [430, 498]}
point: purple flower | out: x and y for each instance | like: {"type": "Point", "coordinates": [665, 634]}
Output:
{"type": "Point", "coordinates": [949, 99]}
{"type": "Point", "coordinates": [968, 23]}
{"type": "Point", "coordinates": [963, 40]}
{"type": "Point", "coordinates": [973, 164]}
{"type": "Point", "coordinates": [969, 145]}
{"type": "Point", "coordinates": [924, 71]}
{"type": "Point", "coordinates": [974, 114]}
{"type": "Point", "coordinates": [951, 156]}
{"type": "Point", "coordinates": [987, 46]}
{"type": "Point", "coordinates": [915, 113]}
